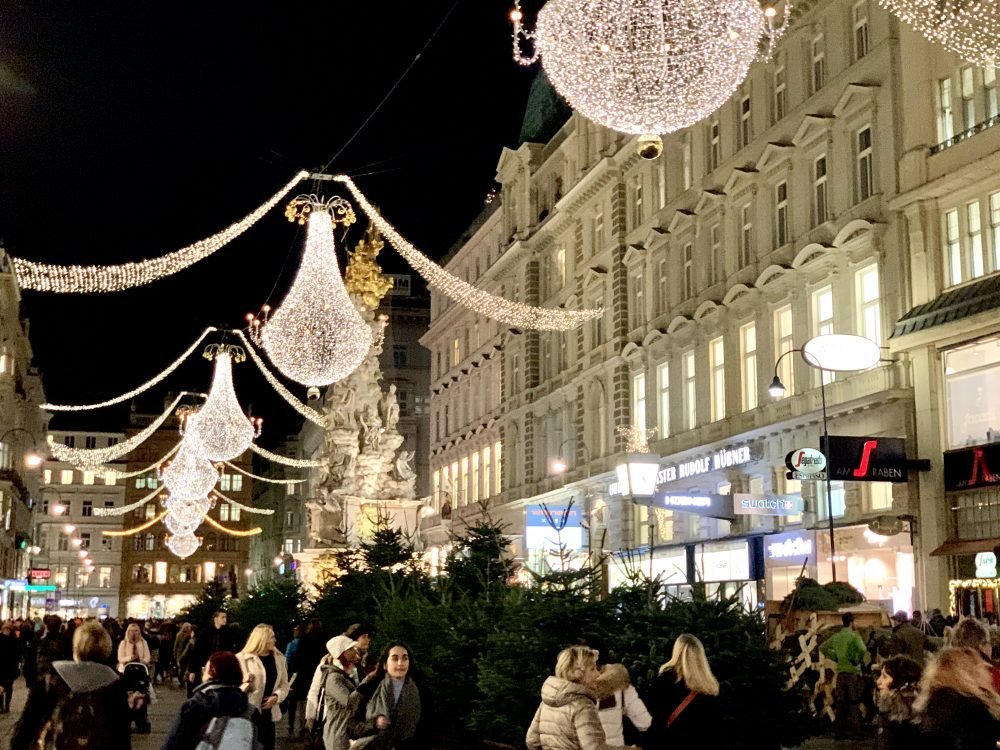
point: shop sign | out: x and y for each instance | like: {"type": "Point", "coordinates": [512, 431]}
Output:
{"type": "Point", "coordinates": [67, 602]}
{"type": "Point", "coordinates": [747, 504]}
{"type": "Point", "coordinates": [541, 527]}
{"type": "Point", "coordinates": [806, 461]}
{"type": "Point", "coordinates": [40, 587]}
{"type": "Point", "coordinates": [969, 468]}
{"type": "Point", "coordinates": [15, 584]}
{"type": "Point", "coordinates": [819, 476]}
{"type": "Point", "coordinates": [715, 461]}
{"type": "Point", "coordinates": [790, 548]}
{"type": "Point", "coordinates": [711, 505]}
{"type": "Point", "coordinates": [40, 573]}
{"type": "Point", "coordinates": [986, 565]}
{"type": "Point", "coordinates": [94, 601]}
{"type": "Point", "coordinates": [865, 459]}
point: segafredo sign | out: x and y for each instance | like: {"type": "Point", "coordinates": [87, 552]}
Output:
{"type": "Point", "coordinates": [806, 461]}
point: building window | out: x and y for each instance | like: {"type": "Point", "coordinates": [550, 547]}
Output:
{"type": "Point", "coordinates": [746, 123]}
{"type": "Point", "coordinates": [487, 473]}
{"type": "Point", "coordinates": [150, 511]}
{"type": "Point", "coordinates": [104, 577]}
{"type": "Point", "coordinates": [945, 120]}
{"type": "Point", "coordinates": [663, 407]}
{"type": "Point", "coordinates": [686, 166]}
{"type": "Point", "coordinates": [953, 248]}
{"type": "Point", "coordinates": [879, 495]}
{"type": "Point", "coordinates": [66, 476]}
{"type": "Point", "coordinates": [864, 184]}
{"type": "Point", "coordinates": [85, 540]}
{"type": "Point", "coordinates": [990, 92]}
{"type": "Point", "coordinates": [817, 64]}
{"type": "Point", "coordinates": [780, 214]}
{"type": "Point", "coordinates": [995, 229]}
{"type": "Point", "coordinates": [822, 308]}
{"type": "Point", "coordinates": [47, 476]}
{"type": "Point", "coordinates": [639, 402]}
{"type": "Point", "coordinates": [224, 511]}
{"type": "Point", "coordinates": [748, 365]}
{"type": "Point", "coordinates": [475, 477]}
{"type": "Point", "coordinates": [69, 441]}
{"type": "Point", "coordinates": [399, 353]}
{"type": "Point", "coordinates": [784, 341]}
{"type": "Point", "coordinates": [597, 328]}
{"type": "Point", "coordinates": [974, 239]}
{"type": "Point", "coordinates": [636, 200]}
{"type": "Point", "coordinates": [688, 270]}
{"type": "Point", "coordinates": [90, 442]}
{"type": "Point", "coordinates": [716, 255]}
{"type": "Point", "coordinates": [746, 235]}
{"type": "Point", "coordinates": [87, 508]}
{"type": "Point", "coordinates": [837, 499]}
{"type": "Point", "coordinates": [559, 267]}
{"type": "Point", "coordinates": [598, 239]}
{"type": "Point", "coordinates": [819, 203]}
{"type": "Point", "coordinates": [860, 17]}
{"type": "Point", "coordinates": [780, 105]}
{"type": "Point", "coordinates": [662, 281]}
{"type": "Point", "coordinates": [717, 365]}
{"type": "Point", "coordinates": [714, 145]}
{"type": "Point", "coordinates": [636, 306]}
{"type": "Point", "coordinates": [110, 478]}
{"type": "Point", "coordinates": [690, 390]}
{"type": "Point", "coordinates": [88, 476]}
{"type": "Point", "coordinates": [463, 481]}
{"type": "Point", "coordinates": [497, 475]}
{"type": "Point", "coordinates": [869, 303]}
{"type": "Point", "coordinates": [972, 380]}
{"type": "Point", "coordinates": [456, 351]}
{"type": "Point", "coordinates": [968, 98]}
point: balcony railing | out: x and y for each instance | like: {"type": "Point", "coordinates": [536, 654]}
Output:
{"type": "Point", "coordinates": [979, 127]}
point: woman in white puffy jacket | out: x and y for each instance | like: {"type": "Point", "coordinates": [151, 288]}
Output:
{"type": "Point", "coordinates": [617, 698]}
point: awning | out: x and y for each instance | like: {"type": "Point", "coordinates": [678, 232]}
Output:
{"type": "Point", "coordinates": [954, 304]}
{"type": "Point", "coordinates": [965, 546]}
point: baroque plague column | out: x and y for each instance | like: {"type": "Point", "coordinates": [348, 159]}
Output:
{"type": "Point", "coordinates": [365, 474]}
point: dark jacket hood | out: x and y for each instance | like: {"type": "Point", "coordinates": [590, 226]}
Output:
{"type": "Point", "coordinates": [84, 676]}
{"type": "Point", "coordinates": [220, 700]}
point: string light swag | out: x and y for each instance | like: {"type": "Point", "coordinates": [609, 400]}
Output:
{"type": "Point", "coordinates": [127, 508]}
{"type": "Point", "coordinates": [316, 336]}
{"type": "Point", "coordinates": [136, 529]}
{"type": "Point", "coordinates": [309, 413]}
{"type": "Point", "coordinates": [513, 314]}
{"type": "Point", "coordinates": [245, 508]}
{"type": "Point", "coordinates": [219, 430]}
{"type": "Point", "coordinates": [647, 67]}
{"type": "Point", "coordinates": [299, 463]}
{"type": "Point", "coordinates": [109, 472]}
{"type": "Point", "coordinates": [45, 277]}
{"type": "Point", "coordinates": [258, 478]}
{"type": "Point", "coordinates": [233, 532]}
{"type": "Point", "coordinates": [135, 391]}
{"type": "Point", "coordinates": [91, 457]}
{"type": "Point", "coordinates": [969, 28]}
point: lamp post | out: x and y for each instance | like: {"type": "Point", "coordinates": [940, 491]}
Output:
{"type": "Point", "coordinates": [32, 458]}
{"type": "Point", "coordinates": [832, 352]}
{"type": "Point", "coordinates": [637, 478]}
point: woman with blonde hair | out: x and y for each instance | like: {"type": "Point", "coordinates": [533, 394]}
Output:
{"type": "Point", "coordinates": [567, 717]}
{"type": "Point", "coordinates": [265, 680]}
{"type": "Point", "coordinates": [683, 697]}
{"type": "Point", "coordinates": [957, 707]}
{"type": "Point", "coordinates": [134, 648]}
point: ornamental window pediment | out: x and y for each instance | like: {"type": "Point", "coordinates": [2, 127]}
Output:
{"type": "Point", "coordinates": [809, 254]}
{"type": "Point", "coordinates": [774, 155]}
{"type": "Point", "coordinates": [812, 128]}
{"type": "Point", "coordinates": [679, 220]}
{"type": "Point", "coordinates": [856, 96]}
{"type": "Point", "coordinates": [595, 275]}
{"type": "Point", "coordinates": [739, 179]}
{"type": "Point", "coordinates": [708, 200]}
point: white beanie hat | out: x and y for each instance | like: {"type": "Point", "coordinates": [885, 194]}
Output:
{"type": "Point", "coordinates": [339, 644]}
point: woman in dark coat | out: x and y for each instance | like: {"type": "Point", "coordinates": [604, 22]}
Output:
{"type": "Point", "coordinates": [218, 695]}
{"type": "Point", "coordinates": [394, 716]}
{"type": "Point", "coordinates": [957, 707]}
{"type": "Point", "coordinates": [898, 685]}
{"type": "Point", "coordinates": [683, 700]}
{"type": "Point", "coordinates": [10, 661]}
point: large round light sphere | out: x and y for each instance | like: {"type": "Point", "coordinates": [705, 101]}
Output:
{"type": "Point", "coordinates": [649, 66]}
{"type": "Point", "coordinates": [189, 475]}
{"type": "Point", "coordinates": [969, 28]}
{"type": "Point", "coordinates": [183, 545]}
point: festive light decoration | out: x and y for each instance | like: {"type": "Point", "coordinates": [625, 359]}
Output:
{"type": "Point", "coordinates": [648, 66]}
{"type": "Point", "coordinates": [111, 472]}
{"type": "Point", "coordinates": [219, 430]}
{"type": "Point", "coordinates": [135, 391]}
{"type": "Point", "coordinates": [317, 336]}
{"type": "Point", "coordinates": [136, 529]}
{"type": "Point", "coordinates": [45, 277]}
{"type": "Point", "coordinates": [183, 545]}
{"type": "Point", "coordinates": [258, 478]}
{"type": "Point", "coordinates": [246, 508]}
{"type": "Point", "coordinates": [969, 28]}
{"type": "Point", "coordinates": [311, 414]}
{"type": "Point", "coordinates": [299, 463]}
{"type": "Point", "coordinates": [189, 475]}
{"type": "Point", "coordinates": [233, 532]}
{"type": "Point", "coordinates": [187, 512]}
{"type": "Point", "coordinates": [127, 508]}
{"type": "Point", "coordinates": [512, 313]}
{"type": "Point", "coordinates": [636, 440]}
{"type": "Point", "coordinates": [176, 526]}
{"type": "Point", "coordinates": [90, 457]}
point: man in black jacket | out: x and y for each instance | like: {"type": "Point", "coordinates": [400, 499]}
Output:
{"type": "Point", "coordinates": [217, 638]}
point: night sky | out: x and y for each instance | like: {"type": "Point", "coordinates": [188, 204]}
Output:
{"type": "Point", "coordinates": [129, 129]}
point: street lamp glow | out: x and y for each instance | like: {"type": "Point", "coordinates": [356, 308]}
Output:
{"type": "Point", "coordinates": [34, 549]}
{"type": "Point", "coordinates": [58, 509]}
{"type": "Point", "coordinates": [69, 528]}
{"type": "Point", "coordinates": [841, 352]}
{"type": "Point", "coordinates": [83, 554]}
{"type": "Point", "coordinates": [637, 475]}
{"type": "Point", "coordinates": [33, 459]}
{"type": "Point", "coordinates": [76, 542]}
{"type": "Point", "coordinates": [248, 572]}
{"type": "Point", "coordinates": [559, 466]}
{"type": "Point", "coordinates": [777, 388]}
{"type": "Point", "coordinates": [278, 559]}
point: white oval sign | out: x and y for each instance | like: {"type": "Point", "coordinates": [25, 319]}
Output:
{"type": "Point", "coordinates": [807, 461]}
{"type": "Point", "coordinates": [841, 352]}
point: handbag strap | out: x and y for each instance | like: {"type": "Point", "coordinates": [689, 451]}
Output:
{"type": "Point", "coordinates": [680, 708]}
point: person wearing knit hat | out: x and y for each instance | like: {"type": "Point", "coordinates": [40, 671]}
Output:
{"type": "Point", "coordinates": [333, 698]}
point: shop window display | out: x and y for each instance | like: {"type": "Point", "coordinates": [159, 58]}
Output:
{"type": "Point", "coordinates": [972, 388]}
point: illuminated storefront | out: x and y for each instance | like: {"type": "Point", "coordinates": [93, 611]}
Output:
{"type": "Point", "coordinates": [880, 567]}
{"type": "Point", "coordinates": [158, 606]}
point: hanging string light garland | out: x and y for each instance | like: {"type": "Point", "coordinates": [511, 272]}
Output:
{"type": "Point", "coordinates": [648, 67]}
{"type": "Point", "coordinates": [299, 463]}
{"type": "Point", "coordinates": [90, 457]}
{"type": "Point", "coordinates": [136, 529]}
{"type": "Point", "coordinates": [241, 506]}
{"type": "Point", "coordinates": [311, 414]}
{"type": "Point", "coordinates": [317, 336]}
{"type": "Point", "coordinates": [113, 473]}
{"type": "Point", "coordinates": [969, 28]}
{"type": "Point", "coordinates": [128, 508]}
{"type": "Point", "coordinates": [488, 305]}
{"type": "Point", "coordinates": [233, 532]}
{"type": "Point", "coordinates": [45, 277]}
{"type": "Point", "coordinates": [258, 478]}
{"type": "Point", "coordinates": [135, 391]}
{"type": "Point", "coordinates": [219, 430]}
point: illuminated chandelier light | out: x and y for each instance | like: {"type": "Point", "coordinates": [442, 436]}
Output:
{"type": "Point", "coordinates": [45, 277]}
{"type": "Point", "coordinates": [648, 67]}
{"type": "Point", "coordinates": [90, 457]}
{"type": "Point", "coordinates": [317, 336]}
{"type": "Point", "coordinates": [246, 508]}
{"type": "Point", "coordinates": [177, 526]}
{"type": "Point", "coordinates": [135, 391]}
{"type": "Point", "coordinates": [121, 511]}
{"type": "Point", "coordinates": [113, 473]}
{"type": "Point", "coordinates": [258, 478]}
{"type": "Point", "coordinates": [309, 413]}
{"type": "Point", "coordinates": [189, 475]}
{"type": "Point", "coordinates": [219, 430]}
{"type": "Point", "coordinates": [299, 463]}
{"type": "Point", "coordinates": [969, 28]}
{"type": "Point", "coordinates": [182, 545]}
{"type": "Point", "coordinates": [188, 511]}
{"type": "Point", "coordinates": [488, 305]}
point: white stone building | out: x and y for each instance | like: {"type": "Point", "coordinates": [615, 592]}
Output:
{"type": "Point", "coordinates": [776, 219]}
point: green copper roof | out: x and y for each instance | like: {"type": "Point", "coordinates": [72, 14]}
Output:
{"type": "Point", "coordinates": [544, 113]}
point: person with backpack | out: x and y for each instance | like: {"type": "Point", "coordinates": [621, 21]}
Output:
{"type": "Point", "coordinates": [218, 697]}
{"type": "Point", "coordinates": [265, 679]}
{"type": "Point", "coordinates": [79, 703]}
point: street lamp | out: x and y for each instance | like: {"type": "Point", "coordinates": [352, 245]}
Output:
{"type": "Point", "coordinates": [637, 478]}
{"type": "Point", "coordinates": [33, 458]}
{"type": "Point", "coordinates": [560, 465]}
{"type": "Point", "coordinates": [831, 352]}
